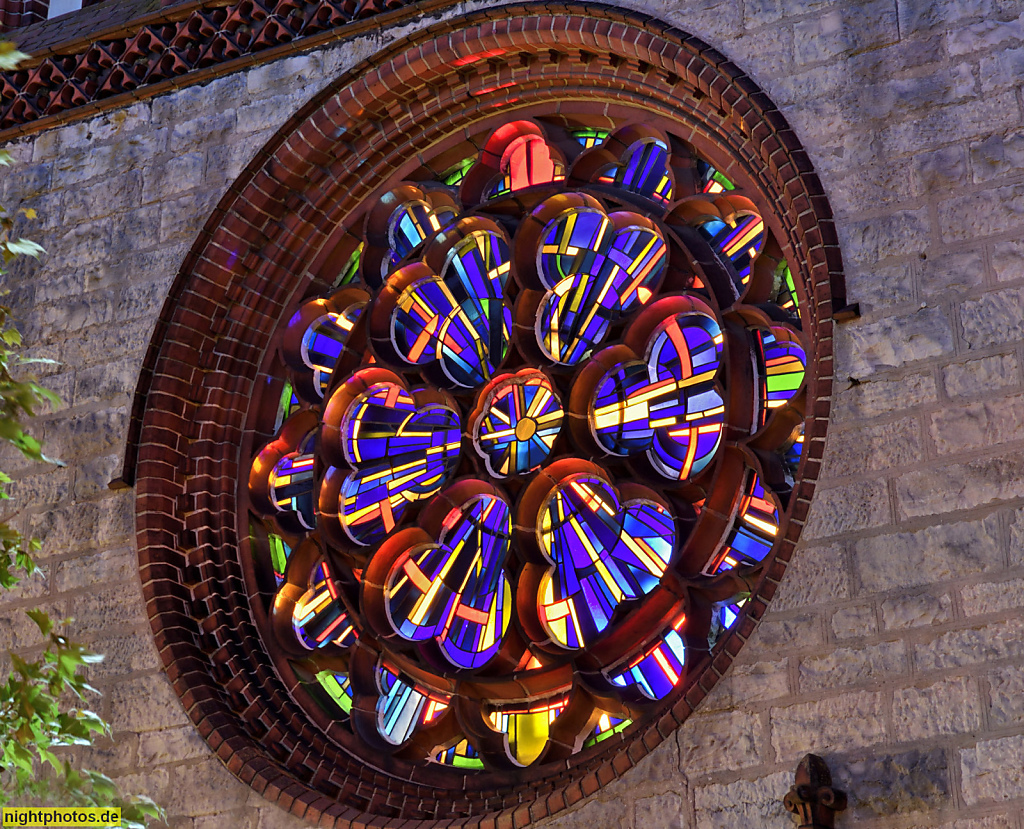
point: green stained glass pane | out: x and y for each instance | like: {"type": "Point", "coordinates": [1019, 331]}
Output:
{"type": "Point", "coordinates": [453, 177]}
{"type": "Point", "coordinates": [350, 272]}
{"type": "Point", "coordinates": [339, 688]}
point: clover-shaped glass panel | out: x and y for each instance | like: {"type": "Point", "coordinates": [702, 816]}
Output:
{"type": "Point", "coordinates": [324, 341]}
{"type": "Point", "coordinates": [643, 170]}
{"type": "Point", "coordinates": [399, 453]}
{"type": "Point", "coordinates": [782, 363]}
{"type": "Point", "coordinates": [753, 532]}
{"type": "Point", "coordinates": [598, 268]}
{"type": "Point", "coordinates": [457, 592]}
{"type": "Point", "coordinates": [602, 552]}
{"type": "Point", "coordinates": [668, 405]}
{"type": "Point", "coordinates": [657, 670]}
{"type": "Point", "coordinates": [459, 319]}
{"type": "Point", "coordinates": [291, 482]}
{"type": "Point", "coordinates": [410, 225]}
{"type": "Point", "coordinates": [740, 242]}
{"type": "Point", "coordinates": [402, 708]}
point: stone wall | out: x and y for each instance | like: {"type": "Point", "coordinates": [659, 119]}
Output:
{"type": "Point", "coordinates": [895, 647]}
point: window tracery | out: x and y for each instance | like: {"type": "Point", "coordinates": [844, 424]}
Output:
{"type": "Point", "coordinates": [512, 412]}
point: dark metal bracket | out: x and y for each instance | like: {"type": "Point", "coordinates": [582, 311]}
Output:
{"type": "Point", "coordinates": [812, 800]}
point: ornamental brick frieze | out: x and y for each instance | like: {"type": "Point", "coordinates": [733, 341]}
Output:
{"type": "Point", "coordinates": [185, 44]}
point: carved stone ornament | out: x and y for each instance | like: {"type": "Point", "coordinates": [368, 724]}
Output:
{"type": "Point", "coordinates": [812, 800]}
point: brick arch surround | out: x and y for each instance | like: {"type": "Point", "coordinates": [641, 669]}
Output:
{"type": "Point", "coordinates": [264, 248]}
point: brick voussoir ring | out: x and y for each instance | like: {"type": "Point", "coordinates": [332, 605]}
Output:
{"type": "Point", "coordinates": [247, 255]}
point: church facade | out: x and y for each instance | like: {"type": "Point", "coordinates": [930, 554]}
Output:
{"type": "Point", "coordinates": [891, 644]}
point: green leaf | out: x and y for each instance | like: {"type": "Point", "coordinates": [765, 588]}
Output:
{"type": "Point", "coordinates": [42, 620]}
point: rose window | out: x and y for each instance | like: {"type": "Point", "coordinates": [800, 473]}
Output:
{"type": "Point", "coordinates": [532, 446]}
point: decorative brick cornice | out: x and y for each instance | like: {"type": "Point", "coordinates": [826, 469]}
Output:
{"type": "Point", "coordinates": [178, 46]}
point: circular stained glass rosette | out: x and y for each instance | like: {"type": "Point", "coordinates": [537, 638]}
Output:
{"type": "Point", "coordinates": [532, 449]}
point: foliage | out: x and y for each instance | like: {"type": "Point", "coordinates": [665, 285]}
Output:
{"type": "Point", "coordinates": [34, 715]}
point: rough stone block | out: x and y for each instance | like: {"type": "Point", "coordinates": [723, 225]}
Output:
{"type": "Point", "coordinates": [855, 449]}
{"type": "Point", "coordinates": [721, 742]}
{"type": "Point", "coordinates": [978, 377]}
{"type": "Point", "coordinates": [972, 646]}
{"type": "Point", "coordinates": [996, 157]}
{"type": "Point", "coordinates": [104, 567]}
{"type": "Point", "coordinates": [745, 685]}
{"type": "Point", "coordinates": [92, 479]}
{"type": "Point", "coordinates": [848, 666]}
{"type": "Point", "coordinates": [831, 725]}
{"type": "Point", "coordinates": [1001, 70]}
{"type": "Point", "coordinates": [854, 622]}
{"type": "Point", "coordinates": [813, 576]}
{"type": "Point", "coordinates": [901, 612]}
{"type": "Point", "coordinates": [103, 610]}
{"type": "Point", "coordinates": [172, 176]}
{"type": "Point", "coordinates": [87, 434]}
{"type": "Point", "coordinates": [988, 34]}
{"type": "Point", "coordinates": [999, 210]}
{"type": "Point", "coordinates": [940, 170]}
{"type": "Point", "coordinates": [105, 198]}
{"type": "Point", "coordinates": [122, 655]}
{"type": "Point", "coordinates": [97, 344]}
{"type": "Point", "coordinates": [171, 746]}
{"type": "Point", "coordinates": [872, 398]}
{"type": "Point", "coordinates": [949, 707]}
{"type": "Point", "coordinates": [913, 781]}
{"type": "Point", "coordinates": [842, 509]}
{"type": "Point", "coordinates": [1007, 260]}
{"type": "Point", "coordinates": [878, 286]}
{"type": "Point", "coordinates": [979, 599]}
{"type": "Point", "coordinates": [744, 803]}
{"type": "Point", "coordinates": [1006, 696]}
{"type": "Point", "coordinates": [664, 811]}
{"type": "Point", "coordinates": [840, 31]}
{"type": "Point", "coordinates": [992, 770]}
{"type": "Point", "coordinates": [980, 425]}
{"type": "Point", "coordinates": [145, 704]}
{"type": "Point", "coordinates": [961, 486]}
{"type": "Point", "coordinates": [933, 554]}
{"type": "Point", "coordinates": [896, 233]}
{"type": "Point", "coordinates": [864, 348]}
{"type": "Point", "coordinates": [776, 636]}
{"type": "Point", "coordinates": [956, 272]}
{"type": "Point", "coordinates": [304, 72]}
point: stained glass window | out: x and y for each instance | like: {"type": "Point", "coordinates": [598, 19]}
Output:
{"type": "Point", "coordinates": [525, 450]}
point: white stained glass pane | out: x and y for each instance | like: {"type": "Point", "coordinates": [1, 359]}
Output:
{"type": "Point", "coordinates": [59, 7]}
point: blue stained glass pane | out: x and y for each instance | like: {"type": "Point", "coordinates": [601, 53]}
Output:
{"type": "Point", "coordinates": [659, 669]}
{"type": "Point", "coordinates": [459, 318]}
{"type": "Point", "coordinates": [292, 483]}
{"type": "Point", "coordinates": [668, 406]}
{"type": "Point", "coordinates": [457, 592]}
{"type": "Point", "coordinates": [754, 531]}
{"type": "Point", "coordinates": [602, 554]}
{"type": "Point", "coordinates": [400, 454]}
{"type": "Point", "coordinates": [740, 243]}
{"type": "Point", "coordinates": [319, 617]}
